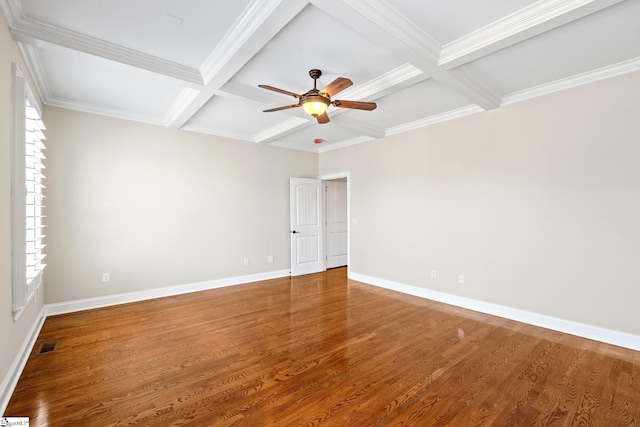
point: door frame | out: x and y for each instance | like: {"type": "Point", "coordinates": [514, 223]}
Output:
{"type": "Point", "coordinates": [330, 177]}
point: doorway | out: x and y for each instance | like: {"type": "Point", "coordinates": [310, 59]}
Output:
{"type": "Point", "coordinates": [319, 223]}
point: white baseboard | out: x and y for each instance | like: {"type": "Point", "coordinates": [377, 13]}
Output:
{"type": "Point", "coordinates": [11, 380]}
{"type": "Point", "coordinates": [109, 300]}
{"type": "Point", "coordinates": [621, 339]}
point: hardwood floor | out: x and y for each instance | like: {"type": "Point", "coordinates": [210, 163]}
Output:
{"type": "Point", "coordinates": [318, 350]}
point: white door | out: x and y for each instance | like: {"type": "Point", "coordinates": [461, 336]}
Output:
{"type": "Point", "coordinates": [306, 226]}
{"type": "Point", "coordinates": [336, 230]}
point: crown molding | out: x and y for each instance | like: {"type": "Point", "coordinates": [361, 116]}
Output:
{"type": "Point", "coordinates": [396, 24]}
{"type": "Point", "coordinates": [344, 144]}
{"type": "Point", "coordinates": [34, 65]}
{"type": "Point", "coordinates": [218, 132]}
{"type": "Point", "coordinates": [281, 129]}
{"type": "Point", "coordinates": [308, 149]}
{"type": "Point", "coordinates": [29, 30]}
{"type": "Point", "coordinates": [439, 118]}
{"type": "Point", "coordinates": [574, 81]}
{"type": "Point", "coordinates": [370, 131]}
{"type": "Point", "coordinates": [101, 111]}
{"type": "Point", "coordinates": [12, 10]}
{"type": "Point", "coordinates": [185, 98]}
{"type": "Point", "coordinates": [468, 77]}
{"type": "Point", "coordinates": [528, 22]}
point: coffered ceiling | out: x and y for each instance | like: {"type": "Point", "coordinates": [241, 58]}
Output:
{"type": "Point", "coordinates": [196, 64]}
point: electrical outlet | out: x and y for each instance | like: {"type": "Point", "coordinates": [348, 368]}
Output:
{"type": "Point", "coordinates": [106, 277]}
{"type": "Point", "coordinates": [433, 274]}
{"type": "Point", "coordinates": [246, 261]}
{"type": "Point", "coordinates": [270, 258]}
{"type": "Point", "coordinates": [460, 278]}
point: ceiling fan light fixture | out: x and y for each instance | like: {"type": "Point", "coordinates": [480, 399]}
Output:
{"type": "Point", "coordinates": [314, 105]}
{"type": "Point", "coordinates": [315, 102]}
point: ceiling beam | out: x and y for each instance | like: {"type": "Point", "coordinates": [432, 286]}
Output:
{"type": "Point", "coordinates": [32, 31]}
{"type": "Point", "coordinates": [262, 20]}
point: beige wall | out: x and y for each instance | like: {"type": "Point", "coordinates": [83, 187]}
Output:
{"type": "Point", "coordinates": [537, 204]}
{"type": "Point", "coordinates": [12, 334]}
{"type": "Point", "coordinates": [156, 207]}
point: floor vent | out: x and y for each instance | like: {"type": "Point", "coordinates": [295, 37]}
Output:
{"type": "Point", "coordinates": [47, 347]}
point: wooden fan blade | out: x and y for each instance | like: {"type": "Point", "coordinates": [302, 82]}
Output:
{"type": "Point", "coordinates": [322, 118]}
{"type": "Point", "coordinates": [338, 85]}
{"type": "Point", "coordinates": [286, 107]}
{"type": "Point", "coordinates": [275, 89]}
{"type": "Point", "coordinates": [357, 105]}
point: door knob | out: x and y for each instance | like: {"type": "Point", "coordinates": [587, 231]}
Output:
{"type": "Point", "coordinates": [294, 232]}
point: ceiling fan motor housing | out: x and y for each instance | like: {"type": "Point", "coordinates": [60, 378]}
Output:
{"type": "Point", "coordinates": [315, 74]}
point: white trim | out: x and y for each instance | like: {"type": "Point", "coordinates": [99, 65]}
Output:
{"type": "Point", "coordinates": [438, 118]}
{"type": "Point", "coordinates": [109, 300]}
{"type": "Point", "coordinates": [483, 86]}
{"type": "Point", "coordinates": [574, 81]}
{"type": "Point", "coordinates": [19, 296]}
{"type": "Point", "coordinates": [13, 11]}
{"type": "Point", "coordinates": [34, 65]}
{"type": "Point", "coordinates": [11, 379]}
{"type": "Point", "coordinates": [217, 132]}
{"type": "Point", "coordinates": [355, 125]}
{"type": "Point", "coordinates": [291, 146]}
{"type": "Point", "coordinates": [596, 333]}
{"type": "Point", "coordinates": [343, 144]}
{"type": "Point", "coordinates": [184, 99]}
{"type": "Point", "coordinates": [281, 129]}
{"type": "Point", "coordinates": [103, 111]}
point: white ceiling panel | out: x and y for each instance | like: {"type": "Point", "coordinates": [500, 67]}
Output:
{"type": "Point", "coordinates": [99, 83]}
{"type": "Point", "coordinates": [197, 64]}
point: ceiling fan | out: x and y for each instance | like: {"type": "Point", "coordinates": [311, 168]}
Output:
{"type": "Point", "coordinates": [315, 102]}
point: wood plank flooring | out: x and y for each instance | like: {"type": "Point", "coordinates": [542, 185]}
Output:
{"type": "Point", "coordinates": [318, 350]}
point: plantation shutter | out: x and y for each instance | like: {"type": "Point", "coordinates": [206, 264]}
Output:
{"type": "Point", "coordinates": [27, 187]}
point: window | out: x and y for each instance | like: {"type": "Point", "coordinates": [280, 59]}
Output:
{"type": "Point", "coordinates": [27, 184]}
